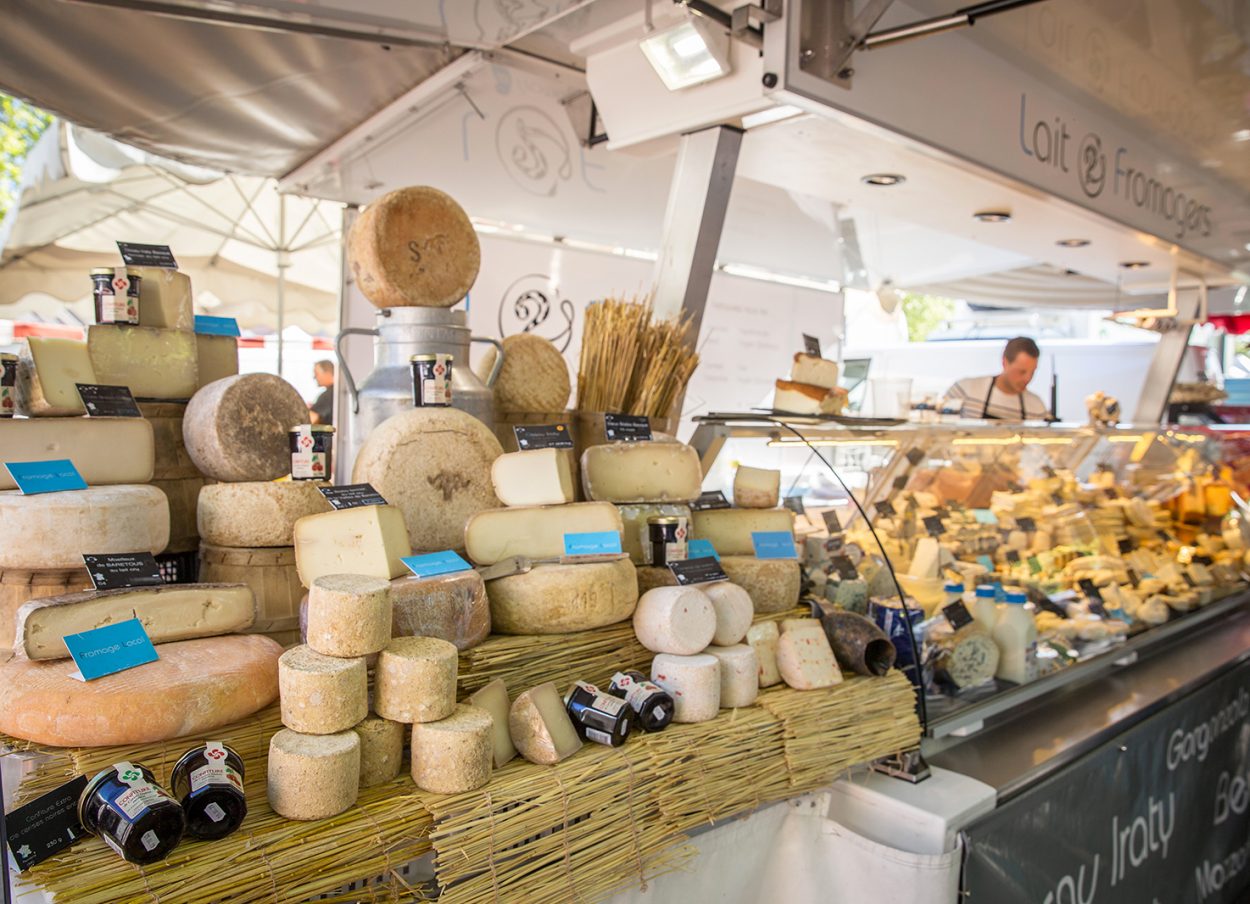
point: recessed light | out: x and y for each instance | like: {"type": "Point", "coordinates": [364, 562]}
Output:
{"type": "Point", "coordinates": [884, 179]}
{"type": "Point", "coordinates": [1134, 265]}
{"type": "Point", "coordinates": [1072, 243]}
{"type": "Point", "coordinates": [1241, 135]}
{"type": "Point", "coordinates": [992, 216]}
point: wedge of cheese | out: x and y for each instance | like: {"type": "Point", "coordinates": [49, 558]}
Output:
{"type": "Point", "coordinates": [155, 364]}
{"type": "Point", "coordinates": [369, 540]}
{"type": "Point", "coordinates": [756, 488]}
{"type": "Point", "coordinates": [48, 370]}
{"type": "Point", "coordinates": [642, 472]}
{"type": "Point", "coordinates": [814, 371]}
{"type": "Point", "coordinates": [534, 531]}
{"type": "Point", "coordinates": [535, 477]}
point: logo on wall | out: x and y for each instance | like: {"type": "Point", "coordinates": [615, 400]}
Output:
{"type": "Point", "coordinates": [532, 304]}
{"type": "Point", "coordinates": [1093, 166]}
{"type": "Point", "coordinates": [533, 150]}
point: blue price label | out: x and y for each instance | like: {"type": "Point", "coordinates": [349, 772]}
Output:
{"type": "Point", "coordinates": [593, 543]}
{"type": "Point", "coordinates": [53, 476]}
{"type": "Point", "coordinates": [435, 563]}
{"type": "Point", "coordinates": [113, 648]}
{"type": "Point", "coordinates": [701, 549]}
{"type": "Point", "coordinates": [216, 326]}
{"type": "Point", "coordinates": [984, 516]}
{"type": "Point", "coordinates": [774, 544]}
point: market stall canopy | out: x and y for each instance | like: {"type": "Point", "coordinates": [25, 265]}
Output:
{"type": "Point", "coordinates": [1040, 285]}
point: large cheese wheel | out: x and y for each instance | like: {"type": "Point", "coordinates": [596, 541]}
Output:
{"type": "Point", "coordinates": [414, 247]}
{"type": "Point", "coordinates": [774, 585]}
{"type": "Point", "coordinates": [558, 599]}
{"type": "Point", "coordinates": [237, 428]}
{"type": "Point", "coordinates": [194, 687]}
{"type": "Point", "coordinates": [434, 464]}
{"type": "Point", "coordinates": [53, 530]}
{"type": "Point", "coordinates": [105, 450]}
{"type": "Point", "coordinates": [452, 607]}
{"type": "Point", "coordinates": [534, 378]}
{"type": "Point", "coordinates": [257, 514]}
{"type": "Point", "coordinates": [678, 620]}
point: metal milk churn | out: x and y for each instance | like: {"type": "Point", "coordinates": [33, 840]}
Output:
{"type": "Point", "coordinates": [401, 333]}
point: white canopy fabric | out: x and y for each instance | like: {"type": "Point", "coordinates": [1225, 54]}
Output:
{"type": "Point", "coordinates": [1036, 286]}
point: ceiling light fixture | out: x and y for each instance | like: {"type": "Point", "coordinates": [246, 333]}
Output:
{"type": "Point", "coordinates": [883, 179]}
{"type": "Point", "coordinates": [1241, 135]}
{"type": "Point", "coordinates": [992, 216]}
{"type": "Point", "coordinates": [1134, 265]}
{"type": "Point", "coordinates": [690, 53]}
{"type": "Point", "coordinates": [1072, 243]}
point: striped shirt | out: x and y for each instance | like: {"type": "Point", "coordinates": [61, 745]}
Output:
{"type": "Point", "coordinates": [970, 395]}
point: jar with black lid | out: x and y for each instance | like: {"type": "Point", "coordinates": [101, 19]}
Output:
{"type": "Point", "coordinates": [653, 705]}
{"type": "Point", "coordinates": [116, 294]}
{"type": "Point", "coordinates": [208, 782]}
{"type": "Point", "coordinates": [135, 816]}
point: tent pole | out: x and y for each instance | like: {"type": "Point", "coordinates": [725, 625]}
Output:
{"type": "Point", "coordinates": [283, 263]}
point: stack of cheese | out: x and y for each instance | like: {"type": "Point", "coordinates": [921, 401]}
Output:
{"type": "Point", "coordinates": [812, 387]}
{"type": "Point", "coordinates": [236, 431]}
{"type": "Point", "coordinates": [206, 675]}
{"type": "Point", "coordinates": [555, 597]}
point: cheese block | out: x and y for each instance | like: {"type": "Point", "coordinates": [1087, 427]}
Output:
{"type": "Point", "coordinates": [313, 776]}
{"type": "Point", "coordinates": [967, 657]}
{"type": "Point", "coordinates": [774, 585]}
{"type": "Point", "coordinates": [172, 461]}
{"type": "Point", "coordinates": [105, 450]}
{"type": "Point", "coordinates": [534, 378]}
{"type": "Point", "coordinates": [734, 612]}
{"type": "Point", "coordinates": [381, 750]}
{"type": "Point", "coordinates": [679, 620]}
{"type": "Point", "coordinates": [652, 576]}
{"type": "Point", "coordinates": [739, 675]}
{"type": "Point", "coordinates": [17, 588]}
{"type": "Point", "coordinates": [155, 364]}
{"type": "Point", "coordinates": [493, 699]}
{"type": "Point", "coordinates": [47, 370]}
{"type": "Point", "coordinates": [414, 247]}
{"type": "Point", "coordinates": [452, 607]}
{"type": "Point", "coordinates": [804, 657]}
{"type": "Point", "coordinates": [729, 530]}
{"type": "Point", "coordinates": [415, 680]}
{"type": "Point", "coordinates": [798, 398]}
{"type": "Point", "coordinates": [756, 488]}
{"type": "Point", "coordinates": [434, 464]}
{"type": "Point", "coordinates": [321, 694]}
{"type": "Point", "coordinates": [540, 726]}
{"type": "Point", "coordinates": [635, 536]}
{"type": "Point", "coordinates": [926, 560]}
{"type": "Point", "coordinates": [535, 477]}
{"type": "Point", "coordinates": [370, 540]}
{"type": "Point", "coordinates": [692, 681]}
{"type": "Point", "coordinates": [168, 613]}
{"type": "Point", "coordinates": [218, 357]}
{"type": "Point", "coordinates": [237, 429]}
{"type": "Point", "coordinates": [763, 638]}
{"type": "Point", "coordinates": [195, 687]}
{"type": "Point", "coordinates": [558, 599]}
{"type": "Point", "coordinates": [642, 472]}
{"type": "Point", "coordinates": [53, 530]}
{"type": "Point", "coordinates": [257, 514]}
{"type": "Point", "coordinates": [814, 371]}
{"type": "Point", "coordinates": [454, 754]}
{"type": "Point", "coordinates": [183, 495]}
{"type": "Point", "coordinates": [165, 299]}
{"type": "Point", "coordinates": [349, 615]}
{"type": "Point", "coordinates": [536, 532]}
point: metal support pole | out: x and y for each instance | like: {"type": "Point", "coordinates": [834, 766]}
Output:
{"type": "Point", "coordinates": [693, 222]}
{"type": "Point", "coordinates": [283, 262]}
{"type": "Point", "coordinates": [1166, 364]}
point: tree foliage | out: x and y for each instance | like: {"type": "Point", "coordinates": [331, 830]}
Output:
{"type": "Point", "coordinates": [925, 313]}
{"type": "Point", "coordinates": [20, 127]}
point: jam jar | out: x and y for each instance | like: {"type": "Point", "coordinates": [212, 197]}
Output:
{"type": "Point", "coordinates": [135, 816]}
{"type": "Point", "coordinates": [208, 782]}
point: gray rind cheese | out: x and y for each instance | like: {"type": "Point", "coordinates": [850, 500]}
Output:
{"type": "Point", "coordinates": [774, 585]}
{"type": "Point", "coordinates": [313, 776]}
{"type": "Point", "coordinates": [452, 607]}
{"type": "Point", "coordinates": [534, 378]}
{"type": "Point", "coordinates": [168, 613]}
{"type": "Point", "coordinates": [237, 429]}
{"type": "Point", "coordinates": [321, 694]}
{"type": "Point", "coordinates": [433, 464]}
{"type": "Point", "coordinates": [50, 531]}
{"type": "Point", "coordinates": [105, 450]}
{"type": "Point", "coordinates": [558, 599]}
{"type": "Point", "coordinates": [454, 754]}
{"type": "Point", "coordinates": [381, 750]}
{"type": "Point", "coordinates": [258, 513]}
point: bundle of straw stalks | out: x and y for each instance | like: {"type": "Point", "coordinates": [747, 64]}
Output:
{"type": "Point", "coordinates": [632, 363]}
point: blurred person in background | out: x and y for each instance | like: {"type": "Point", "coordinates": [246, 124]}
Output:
{"type": "Point", "coordinates": [322, 410]}
{"type": "Point", "coordinates": [1004, 397]}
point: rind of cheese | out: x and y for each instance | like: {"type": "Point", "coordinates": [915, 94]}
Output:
{"type": "Point", "coordinates": [774, 585]}
{"type": "Point", "coordinates": [105, 450]}
{"type": "Point", "coordinates": [454, 754]}
{"type": "Point", "coordinates": [168, 613]}
{"type": "Point", "coordinates": [433, 464]}
{"type": "Point", "coordinates": [804, 657]}
{"type": "Point", "coordinates": [678, 620]}
{"type": "Point", "coordinates": [321, 694]}
{"type": "Point", "coordinates": [165, 299]}
{"type": "Point", "coordinates": [415, 680]}
{"type": "Point", "coordinates": [692, 681]}
{"type": "Point", "coordinates": [368, 540]}
{"type": "Point", "coordinates": [50, 531]}
{"type": "Point", "coordinates": [729, 530]}
{"type": "Point", "coordinates": [739, 675]}
{"type": "Point", "coordinates": [218, 357]}
{"type": "Point", "coordinates": [636, 536]}
{"type": "Point", "coordinates": [493, 698]}
{"type": "Point", "coordinates": [756, 488]}
{"type": "Point", "coordinates": [381, 750]}
{"type": "Point", "coordinates": [734, 612]}
{"type": "Point", "coordinates": [798, 398]}
{"type": "Point", "coordinates": [764, 637]}
{"type": "Point", "coordinates": [313, 776]}
{"type": "Point", "coordinates": [558, 599]}
{"type": "Point", "coordinates": [47, 370]}
{"type": "Point", "coordinates": [814, 371]}
{"type": "Point", "coordinates": [195, 686]}
{"type": "Point", "coordinates": [534, 477]}
{"type": "Point", "coordinates": [237, 429]}
{"type": "Point", "coordinates": [642, 472]}
{"type": "Point", "coordinates": [452, 607]}
{"type": "Point", "coordinates": [651, 577]}
{"type": "Point", "coordinates": [540, 726]}
{"type": "Point", "coordinates": [534, 378]}
{"type": "Point", "coordinates": [257, 513]}
{"type": "Point", "coordinates": [349, 615]}
{"type": "Point", "coordinates": [536, 532]}
{"type": "Point", "coordinates": [155, 364]}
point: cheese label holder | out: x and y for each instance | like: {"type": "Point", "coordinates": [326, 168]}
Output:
{"type": "Point", "coordinates": [216, 326]}
{"type": "Point", "coordinates": [108, 401]}
{"type": "Point", "coordinates": [933, 524]}
{"type": "Point", "coordinates": [47, 824]}
{"type": "Point", "coordinates": [701, 549]}
{"type": "Point", "coordinates": [703, 570]}
{"type": "Point", "coordinates": [832, 524]}
{"type": "Point", "coordinates": [354, 495]}
{"type": "Point", "coordinates": [544, 436]}
{"type": "Point", "coordinates": [592, 543]}
{"type": "Point", "coordinates": [795, 504]}
{"type": "Point", "coordinates": [811, 345]}
{"type": "Point", "coordinates": [34, 477]}
{"type": "Point", "coordinates": [1026, 524]}
{"type": "Point", "coordinates": [136, 254]}
{"type": "Point", "coordinates": [885, 509]}
{"type": "Point", "coordinates": [113, 571]}
{"type": "Point", "coordinates": [773, 544]}
{"type": "Point", "coordinates": [844, 567]}
{"type": "Point", "coordinates": [984, 516]}
{"type": "Point", "coordinates": [627, 428]}
{"type": "Point", "coordinates": [957, 614]}
{"type": "Point", "coordinates": [712, 499]}
{"type": "Point", "coordinates": [1013, 556]}
{"type": "Point", "coordinates": [113, 648]}
{"type": "Point", "coordinates": [436, 563]}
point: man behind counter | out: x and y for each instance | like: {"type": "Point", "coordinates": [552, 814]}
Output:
{"type": "Point", "coordinates": [322, 409]}
{"type": "Point", "coordinates": [1004, 397]}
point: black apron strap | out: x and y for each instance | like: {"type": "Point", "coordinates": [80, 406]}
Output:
{"type": "Point", "coordinates": [985, 408]}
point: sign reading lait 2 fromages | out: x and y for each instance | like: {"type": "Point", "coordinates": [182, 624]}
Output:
{"type": "Point", "coordinates": [1158, 815]}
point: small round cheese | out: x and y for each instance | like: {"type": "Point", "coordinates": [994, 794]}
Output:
{"type": "Point", "coordinates": [415, 680]}
{"type": "Point", "coordinates": [348, 615]}
{"type": "Point", "coordinates": [558, 599]}
{"type": "Point", "coordinates": [258, 513]}
{"type": "Point", "coordinates": [739, 675]}
{"type": "Point", "coordinates": [692, 681]}
{"type": "Point", "coordinates": [534, 378]}
{"type": "Point", "coordinates": [237, 429]}
{"type": "Point", "coordinates": [454, 754]}
{"type": "Point", "coordinates": [381, 750]}
{"type": "Point", "coordinates": [678, 620]}
{"type": "Point", "coordinates": [313, 776]}
{"type": "Point", "coordinates": [734, 612]}
{"type": "Point", "coordinates": [321, 694]}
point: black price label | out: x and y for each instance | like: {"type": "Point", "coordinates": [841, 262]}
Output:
{"type": "Point", "coordinates": [915, 456]}
{"type": "Point", "coordinates": [108, 401]}
{"type": "Point", "coordinates": [1098, 607]}
{"type": "Point", "coordinates": [832, 523]}
{"type": "Point", "coordinates": [1026, 524]}
{"type": "Point", "coordinates": [1189, 579]}
{"type": "Point", "coordinates": [1125, 544]}
{"type": "Point", "coordinates": [900, 483]}
{"type": "Point", "coordinates": [845, 568]}
{"type": "Point", "coordinates": [1049, 471]}
{"type": "Point", "coordinates": [135, 254]}
{"type": "Point", "coordinates": [1214, 524]}
{"type": "Point", "coordinates": [627, 428]}
{"type": "Point", "coordinates": [795, 504]}
{"type": "Point", "coordinates": [1111, 492]}
{"type": "Point", "coordinates": [1163, 535]}
{"type": "Point", "coordinates": [115, 571]}
{"type": "Point", "coordinates": [1056, 498]}
{"type": "Point", "coordinates": [1088, 588]}
{"type": "Point", "coordinates": [698, 571]}
{"type": "Point", "coordinates": [712, 499]}
{"type": "Point", "coordinates": [885, 509]}
{"type": "Point", "coordinates": [933, 524]}
{"type": "Point", "coordinates": [1202, 560]}
{"type": "Point", "coordinates": [354, 495]}
{"type": "Point", "coordinates": [957, 614]}
{"type": "Point", "coordinates": [546, 436]}
{"type": "Point", "coordinates": [47, 824]}
{"type": "Point", "coordinates": [1013, 556]}
{"type": "Point", "coordinates": [811, 345]}
{"type": "Point", "coordinates": [1104, 466]}
{"type": "Point", "coordinates": [1133, 577]}
{"type": "Point", "coordinates": [834, 543]}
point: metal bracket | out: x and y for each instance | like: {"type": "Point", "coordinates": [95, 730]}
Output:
{"type": "Point", "coordinates": [832, 34]}
{"type": "Point", "coordinates": [747, 23]}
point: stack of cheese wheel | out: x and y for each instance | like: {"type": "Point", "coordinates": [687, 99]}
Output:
{"type": "Point", "coordinates": [678, 624]}
{"type": "Point", "coordinates": [538, 489]}
{"type": "Point", "coordinates": [236, 432]}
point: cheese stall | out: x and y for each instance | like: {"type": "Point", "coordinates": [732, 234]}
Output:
{"type": "Point", "coordinates": [605, 584]}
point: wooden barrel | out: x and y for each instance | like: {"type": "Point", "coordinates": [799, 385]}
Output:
{"type": "Point", "coordinates": [17, 587]}
{"type": "Point", "coordinates": [271, 575]}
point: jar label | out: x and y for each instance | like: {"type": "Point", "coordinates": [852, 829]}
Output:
{"type": "Point", "coordinates": [7, 401]}
{"type": "Point", "coordinates": [215, 774]}
{"type": "Point", "coordinates": [136, 799]}
{"type": "Point", "coordinates": [149, 840]}
{"type": "Point", "coordinates": [601, 737]}
{"type": "Point", "coordinates": [639, 693]}
{"type": "Point", "coordinates": [214, 812]}
{"type": "Point", "coordinates": [308, 465]}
